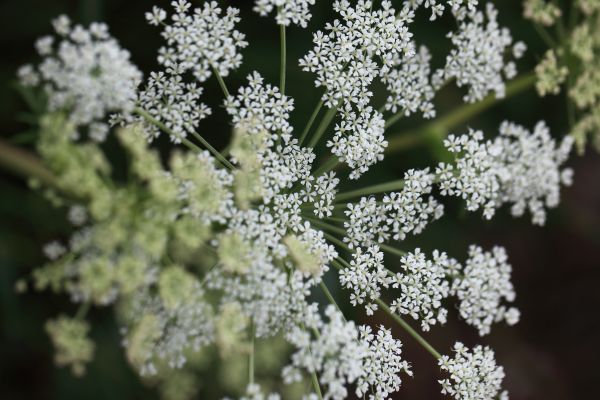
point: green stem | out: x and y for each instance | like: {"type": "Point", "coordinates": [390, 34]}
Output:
{"type": "Point", "coordinates": [251, 355]}
{"type": "Point", "coordinates": [214, 151]}
{"type": "Point", "coordinates": [323, 126]}
{"type": "Point", "coordinates": [327, 226]}
{"type": "Point", "coordinates": [283, 59]}
{"type": "Point", "coordinates": [25, 164]}
{"type": "Point", "coordinates": [316, 386]}
{"type": "Point", "coordinates": [420, 339]}
{"type": "Point", "coordinates": [392, 250]}
{"type": "Point", "coordinates": [221, 81]}
{"type": "Point", "coordinates": [546, 37]}
{"type": "Point", "coordinates": [409, 329]}
{"type": "Point", "coordinates": [144, 114]}
{"type": "Point", "coordinates": [311, 121]}
{"type": "Point", "coordinates": [327, 166]}
{"type": "Point", "coordinates": [330, 298]}
{"type": "Point", "coordinates": [82, 310]}
{"type": "Point", "coordinates": [380, 188]}
{"type": "Point", "coordinates": [439, 128]}
{"type": "Point", "coordinates": [394, 118]}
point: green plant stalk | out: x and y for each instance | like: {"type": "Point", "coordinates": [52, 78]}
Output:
{"type": "Point", "coordinates": [144, 114]}
{"type": "Point", "coordinates": [221, 81]}
{"type": "Point", "coordinates": [439, 128]}
{"type": "Point", "coordinates": [327, 118]}
{"type": "Point", "coordinates": [327, 166]}
{"type": "Point", "coordinates": [251, 355]}
{"type": "Point", "coordinates": [330, 298]}
{"type": "Point", "coordinates": [283, 59]}
{"type": "Point", "coordinates": [394, 118]}
{"type": "Point", "coordinates": [420, 339]}
{"type": "Point", "coordinates": [25, 164]}
{"type": "Point", "coordinates": [380, 188]}
{"type": "Point", "coordinates": [316, 386]}
{"type": "Point", "coordinates": [311, 121]}
{"type": "Point", "coordinates": [409, 329]}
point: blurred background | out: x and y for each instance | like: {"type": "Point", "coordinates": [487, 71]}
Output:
{"type": "Point", "coordinates": [551, 354]}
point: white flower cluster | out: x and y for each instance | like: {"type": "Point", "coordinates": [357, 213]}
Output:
{"type": "Point", "coordinates": [518, 167]}
{"type": "Point", "coordinates": [474, 374]}
{"type": "Point", "coordinates": [458, 7]}
{"type": "Point", "coordinates": [275, 230]}
{"type": "Point", "coordinates": [365, 277]}
{"type": "Point", "coordinates": [358, 139]}
{"type": "Point", "coordinates": [197, 43]}
{"type": "Point", "coordinates": [288, 11]}
{"type": "Point", "coordinates": [400, 213]}
{"type": "Point", "coordinates": [477, 59]}
{"type": "Point", "coordinates": [260, 108]}
{"type": "Point", "coordinates": [254, 392]}
{"type": "Point", "coordinates": [482, 285]}
{"type": "Point", "coordinates": [86, 73]}
{"type": "Point", "coordinates": [343, 60]}
{"type": "Point", "coordinates": [409, 85]}
{"type": "Point", "coordinates": [200, 42]}
{"type": "Point", "coordinates": [172, 102]}
{"type": "Point", "coordinates": [343, 56]}
{"type": "Point", "coordinates": [423, 285]}
{"type": "Point", "coordinates": [343, 354]}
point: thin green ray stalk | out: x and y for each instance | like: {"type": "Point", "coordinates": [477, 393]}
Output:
{"type": "Point", "coordinates": [325, 225]}
{"type": "Point", "coordinates": [311, 121]}
{"type": "Point", "coordinates": [392, 250]}
{"type": "Point", "coordinates": [25, 164]}
{"type": "Point", "coordinates": [327, 118]}
{"type": "Point", "coordinates": [439, 128]}
{"type": "Point", "coordinates": [327, 166]}
{"type": "Point", "coordinates": [394, 118]}
{"type": "Point", "coordinates": [144, 114]}
{"type": "Point", "coordinates": [283, 59]}
{"type": "Point", "coordinates": [420, 339]}
{"type": "Point", "coordinates": [251, 355]}
{"type": "Point", "coordinates": [409, 329]}
{"type": "Point", "coordinates": [214, 151]}
{"type": "Point", "coordinates": [221, 81]}
{"type": "Point", "coordinates": [316, 385]}
{"type": "Point", "coordinates": [330, 298]}
{"type": "Point", "coordinates": [379, 188]}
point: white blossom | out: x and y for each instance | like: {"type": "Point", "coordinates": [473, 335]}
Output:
{"type": "Point", "coordinates": [54, 250]}
{"type": "Point", "coordinates": [409, 211]}
{"type": "Point", "coordinates": [358, 139]}
{"type": "Point", "coordinates": [477, 58]}
{"type": "Point", "coordinates": [474, 374]}
{"type": "Point", "coordinates": [365, 277]}
{"type": "Point", "coordinates": [343, 354]}
{"type": "Point", "coordinates": [437, 7]}
{"type": "Point", "coordinates": [518, 167]}
{"type": "Point", "coordinates": [260, 107]}
{"type": "Point", "coordinates": [343, 57]}
{"type": "Point", "coordinates": [288, 11]}
{"type": "Point", "coordinates": [423, 286]}
{"type": "Point", "coordinates": [409, 85]}
{"type": "Point", "coordinates": [201, 39]}
{"type": "Point", "coordinates": [85, 73]}
{"type": "Point", "coordinates": [482, 286]}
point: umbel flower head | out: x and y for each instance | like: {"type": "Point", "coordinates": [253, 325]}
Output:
{"type": "Point", "coordinates": [200, 248]}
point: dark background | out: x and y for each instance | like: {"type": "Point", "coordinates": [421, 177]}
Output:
{"type": "Point", "coordinates": [551, 354]}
